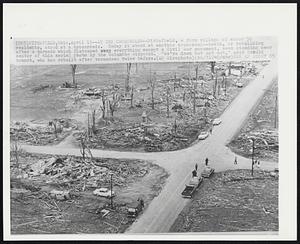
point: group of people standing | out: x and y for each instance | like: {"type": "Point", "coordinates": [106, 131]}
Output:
{"type": "Point", "coordinates": [194, 172]}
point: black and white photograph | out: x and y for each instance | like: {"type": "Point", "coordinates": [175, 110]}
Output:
{"type": "Point", "coordinates": [134, 136]}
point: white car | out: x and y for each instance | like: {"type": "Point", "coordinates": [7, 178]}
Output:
{"type": "Point", "coordinates": [203, 135]}
{"type": "Point", "coordinates": [217, 121]}
{"type": "Point", "coordinates": [104, 192]}
{"type": "Point", "coordinates": [239, 84]}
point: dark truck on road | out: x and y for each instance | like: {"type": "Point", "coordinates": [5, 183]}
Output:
{"type": "Point", "coordinates": [192, 186]}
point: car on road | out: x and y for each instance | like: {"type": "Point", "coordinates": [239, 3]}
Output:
{"type": "Point", "coordinates": [217, 121]}
{"type": "Point", "coordinates": [207, 172]}
{"type": "Point", "coordinates": [239, 84]}
{"type": "Point", "coordinates": [133, 211]}
{"type": "Point", "coordinates": [203, 135]}
{"type": "Point", "coordinates": [104, 192]}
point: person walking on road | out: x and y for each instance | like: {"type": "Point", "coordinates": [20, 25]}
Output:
{"type": "Point", "coordinates": [235, 160]}
{"type": "Point", "coordinates": [210, 130]}
{"type": "Point", "coordinates": [206, 162]}
{"type": "Point", "coordinates": [196, 166]}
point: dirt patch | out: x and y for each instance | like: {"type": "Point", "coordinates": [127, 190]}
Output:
{"type": "Point", "coordinates": [42, 133]}
{"type": "Point", "coordinates": [263, 125]}
{"type": "Point", "coordinates": [35, 211]}
{"type": "Point", "coordinates": [232, 201]}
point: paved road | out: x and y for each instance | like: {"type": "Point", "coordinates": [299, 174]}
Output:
{"type": "Point", "coordinates": [164, 209]}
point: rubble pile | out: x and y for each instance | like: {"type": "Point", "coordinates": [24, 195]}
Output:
{"type": "Point", "coordinates": [260, 126]}
{"type": "Point", "coordinates": [41, 134]}
{"type": "Point", "coordinates": [78, 175]}
{"type": "Point", "coordinates": [266, 141]}
{"type": "Point", "coordinates": [139, 136]}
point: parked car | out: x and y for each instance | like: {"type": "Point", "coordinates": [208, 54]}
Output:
{"type": "Point", "coordinates": [133, 211]}
{"type": "Point", "coordinates": [203, 135]}
{"type": "Point", "coordinates": [104, 192]}
{"type": "Point", "coordinates": [239, 84]}
{"type": "Point", "coordinates": [207, 172]}
{"type": "Point", "coordinates": [217, 121]}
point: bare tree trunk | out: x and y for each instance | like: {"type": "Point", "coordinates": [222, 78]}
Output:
{"type": "Point", "coordinates": [93, 122]}
{"type": "Point", "coordinates": [73, 67]}
{"type": "Point", "coordinates": [197, 67]}
{"type": "Point", "coordinates": [175, 126]}
{"type": "Point", "coordinates": [152, 99]}
{"type": "Point", "coordinates": [168, 102]}
{"type": "Point", "coordinates": [205, 112]}
{"type": "Point", "coordinates": [212, 66]}
{"type": "Point", "coordinates": [194, 99]}
{"type": "Point", "coordinates": [215, 86]}
{"type": "Point", "coordinates": [112, 112]}
{"type": "Point", "coordinates": [55, 129]}
{"type": "Point", "coordinates": [229, 68]}
{"type": "Point", "coordinates": [16, 151]}
{"type": "Point", "coordinates": [88, 125]}
{"type": "Point", "coordinates": [128, 65]}
{"type": "Point", "coordinates": [131, 97]}
{"type": "Point", "coordinates": [82, 149]}
{"type": "Point", "coordinates": [225, 85]}
{"type": "Point", "coordinates": [183, 96]}
{"type": "Point", "coordinates": [103, 106]}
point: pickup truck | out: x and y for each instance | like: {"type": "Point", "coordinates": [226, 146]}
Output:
{"type": "Point", "coordinates": [191, 187]}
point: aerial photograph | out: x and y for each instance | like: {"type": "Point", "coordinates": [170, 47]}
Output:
{"type": "Point", "coordinates": [144, 147]}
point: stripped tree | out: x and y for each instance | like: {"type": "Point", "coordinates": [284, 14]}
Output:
{"type": "Point", "coordinates": [212, 66]}
{"type": "Point", "coordinates": [196, 71]}
{"type": "Point", "coordinates": [168, 101]}
{"type": "Point", "coordinates": [152, 83]}
{"type": "Point", "coordinates": [128, 66]}
{"type": "Point", "coordinates": [83, 145]}
{"type": "Point", "coordinates": [54, 123]}
{"type": "Point", "coordinates": [131, 97]}
{"type": "Point", "coordinates": [73, 69]}
{"type": "Point", "coordinates": [103, 99]}
{"type": "Point", "coordinates": [215, 85]}
{"type": "Point", "coordinates": [94, 121]}
{"type": "Point", "coordinates": [113, 103]}
{"type": "Point", "coordinates": [84, 149]}
{"type": "Point", "coordinates": [194, 97]}
{"type": "Point", "coordinates": [16, 151]}
{"type": "Point", "coordinates": [229, 68]}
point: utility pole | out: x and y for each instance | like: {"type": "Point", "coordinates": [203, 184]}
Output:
{"type": "Point", "coordinates": [88, 125]}
{"type": "Point", "coordinates": [111, 197]}
{"type": "Point", "coordinates": [168, 102]}
{"type": "Point", "coordinates": [205, 116]}
{"type": "Point", "coordinates": [252, 156]}
{"type": "Point", "coordinates": [225, 84]}
{"type": "Point", "coordinates": [216, 83]}
{"type": "Point", "coordinates": [194, 99]}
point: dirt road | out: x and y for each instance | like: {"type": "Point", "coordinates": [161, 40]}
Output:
{"type": "Point", "coordinates": [164, 209]}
